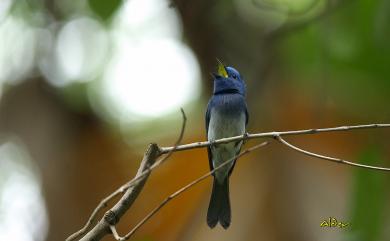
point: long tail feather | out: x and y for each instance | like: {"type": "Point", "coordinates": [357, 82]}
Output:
{"type": "Point", "coordinates": [219, 207]}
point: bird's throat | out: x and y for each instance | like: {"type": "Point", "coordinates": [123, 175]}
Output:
{"type": "Point", "coordinates": [227, 91]}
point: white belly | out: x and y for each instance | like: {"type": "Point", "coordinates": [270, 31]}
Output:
{"type": "Point", "coordinates": [221, 126]}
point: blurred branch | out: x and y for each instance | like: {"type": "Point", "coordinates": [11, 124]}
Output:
{"type": "Point", "coordinates": [280, 7]}
{"type": "Point", "coordinates": [329, 8]}
{"type": "Point", "coordinates": [132, 189]}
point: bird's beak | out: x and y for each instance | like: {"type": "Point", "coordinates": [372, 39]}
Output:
{"type": "Point", "coordinates": [215, 76]}
{"type": "Point", "coordinates": [222, 69]}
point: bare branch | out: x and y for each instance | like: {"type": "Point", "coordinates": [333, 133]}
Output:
{"type": "Point", "coordinates": [159, 162]}
{"type": "Point", "coordinates": [271, 135]}
{"type": "Point", "coordinates": [131, 189]}
{"type": "Point", "coordinates": [186, 187]}
{"type": "Point", "coordinates": [112, 216]}
{"type": "Point", "coordinates": [135, 180]}
{"type": "Point", "coordinates": [138, 180]}
{"type": "Point", "coordinates": [341, 161]}
{"type": "Point", "coordinates": [92, 218]}
{"type": "Point", "coordinates": [114, 232]}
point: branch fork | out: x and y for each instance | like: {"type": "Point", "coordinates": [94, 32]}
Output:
{"type": "Point", "coordinates": [132, 189]}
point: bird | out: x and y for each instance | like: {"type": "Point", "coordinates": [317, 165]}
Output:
{"type": "Point", "coordinates": [226, 116]}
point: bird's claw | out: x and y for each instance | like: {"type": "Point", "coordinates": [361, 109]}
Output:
{"type": "Point", "coordinates": [213, 144]}
{"type": "Point", "coordinates": [245, 137]}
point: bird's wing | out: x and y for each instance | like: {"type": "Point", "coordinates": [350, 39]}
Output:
{"type": "Point", "coordinates": [207, 134]}
{"type": "Point", "coordinates": [239, 150]}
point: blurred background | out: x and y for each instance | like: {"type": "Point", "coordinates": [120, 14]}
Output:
{"type": "Point", "coordinates": [86, 85]}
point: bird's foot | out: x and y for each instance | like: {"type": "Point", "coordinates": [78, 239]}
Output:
{"type": "Point", "coordinates": [213, 144]}
{"type": "Point", "coordinates": [245, 137]}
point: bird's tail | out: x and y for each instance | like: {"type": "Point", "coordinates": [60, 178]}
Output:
{"type": "Point", "coordinates": [219, 207]}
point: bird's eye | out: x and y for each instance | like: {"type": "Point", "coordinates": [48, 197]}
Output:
{"type": "Point", "coordinates": [234, 76]}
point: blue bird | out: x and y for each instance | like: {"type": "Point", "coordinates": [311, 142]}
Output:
{"type": "Point", "coordinates": [226, 116]}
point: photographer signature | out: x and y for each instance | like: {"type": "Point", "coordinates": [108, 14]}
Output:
{"type": "Point", "coordinates": [332, 222]}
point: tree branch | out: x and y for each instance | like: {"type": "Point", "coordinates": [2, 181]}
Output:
{"type": "Point", "coordinates": [183, 189]}
{"type": "Point", "coordinates": [271, 135]}
{"type": "Point", "coordinates": [338, 160]}
{"type": "Point", "coordinates": [147, 165]}
{"type": "Point", "coordinates": [112, 216]}
{"type": "Point", "coordinates": [132, 189]}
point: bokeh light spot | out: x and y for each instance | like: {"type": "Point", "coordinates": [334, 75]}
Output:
{"type": "Point", "coordinates": [80, 51]}
{"type": "Point", "coordinates": [23, 215]}
{"type": "Point", "coordinates": [152, 77]}
{"type": "Point", "coordinates": [17, 49]}
{"type": "Point", "coordinates": [152, 72]}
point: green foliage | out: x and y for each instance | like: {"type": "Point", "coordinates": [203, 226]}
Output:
{"type": "Point", "coordinates": [368, 200]}
{"type": "Point", "coordinates": [105, 9]}
{"type": "Point", "coordinates": [345, 56]}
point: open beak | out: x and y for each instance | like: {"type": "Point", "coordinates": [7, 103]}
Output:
{"type": "Point", "coordinates": [215, 76]}
{"type": "Point", "coordinates": [222, 69]}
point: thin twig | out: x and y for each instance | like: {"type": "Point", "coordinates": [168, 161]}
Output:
{"type": "Point", "coordinates": [186, 187]}
{"type": "Point", "coordinates": [271, 135]}
{"type": "Point", "coordinates": [179, 139]}
{"type": "Point", "coordinates": [113, 215]}
{"type": "Point", "coordinates": [92, 218]}
{"type": "Point", "coordinates": [135, 180]}
{"type": "Point", "coordinates": [149, 163]}
{"type": "Point", "coordinates": [130, 184]}
{"type": "Point", "coordinates": [114, 232]}
{"type": "Point", "coordinates": [338, 160]}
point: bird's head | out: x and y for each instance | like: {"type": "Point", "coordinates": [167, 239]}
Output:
{"type": "Point", "coordinates": [228, 80]}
